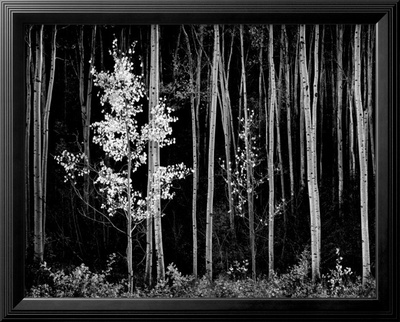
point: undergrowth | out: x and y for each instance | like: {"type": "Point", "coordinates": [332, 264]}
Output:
{"type": "Point", "coordinates": [339, 282]}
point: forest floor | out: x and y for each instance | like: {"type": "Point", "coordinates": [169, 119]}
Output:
{"type": "Point", "coordinates": [296, 283]}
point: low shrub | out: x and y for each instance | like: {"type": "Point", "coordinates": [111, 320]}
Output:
{"type": "Point", "coordinates": [339, 282]}
{"type": "Point", "coordinates": [79, 282]}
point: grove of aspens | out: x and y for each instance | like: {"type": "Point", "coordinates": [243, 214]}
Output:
{"type": "Point", "coordinates": [200, 161]}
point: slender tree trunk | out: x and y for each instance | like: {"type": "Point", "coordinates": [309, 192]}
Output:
{"type": "Point", "coordinates": [129, 249]}
{"type": "Point", "coordinates": [211, 148]}
{"type": "Point", "coordinates": [194, 152]}
{"type": "Point", "coordinates": [288, 117]}
{"type": "Point", "coordinates": [197, 136]}
{"type": "Point", "coordinates": [45, 125]}
{"type": "Point", "coordinates": [339, 122]}
{"type": "Point", "coordinates": [81, 76]}
{"type": "Point", "coordinates": [311, 164]}
{"type": "Point", "coordinates": [272, 107]}
{"type": "Point", "coordinates": [28, 82]}
{"type": "Point", "coordinates": [314, 151]}
{"type": "Point", "coordinates": [249, 170]}
{"type": "Point", "coordinates": [37, 152]}
{"type": "Point", "coordinates": [149, 219]}
{"type": "Point", "coordinates": [260, 81]}
{"type": "Point", "coordinates": [321, 97]}
{"type": "Point", "coordinates": [361, 136]}
{"type": "Point", "coordinates": [154, 100]}
{"type": "Point", "coordinates": [302, 152]}
{"type": "Point", "coordinates": [88, 112]}
{"type": "Point", "coordinates": [350, 90]}
{"type": "Point", "coordinates": [227, 123]}
{"type": "Point", "coordinates": [225, 112]}
{"type": "Point", "coordinates": [150, 171]}
{"type": "Point", "coordinates": [370, 47]}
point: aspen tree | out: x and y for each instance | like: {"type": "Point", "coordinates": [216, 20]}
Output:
{"type": "Point", "coordinates": [363, 166]}
{"type": "Point", "coordinates": [314, 145]}
{"type": "Point", "coordinates": [123, 142]}
{"type": "Point", "coordinates": [339, 122]}
{"type": "Point", "coordinates": [288, 115]}
{"type": "Point", "coordinates": [197, 135]}
{"type": "Point", "coordinates": [227, 125]}
{"type": "Point", "coordinates": [350, 90]}
{"type": "Point", "coordinates": [321, 97]}
{"type": "Point", "coordinates": [45, 128]}
{"type": "Point", "coordinates": [38, 242]}
{"type": "Point", "coordinates": [370, 47]}
{"type": "Point", "coordinates": [232, 136]}
{"type": "Point", "coordinates": [301, 105]}
{"type": "Point", "coordinates": [211, 150]}
{"type": "Point", "coordinates": [311, 160]}
{"type": "Point", "coordinates": [281, 174]}
{"type": "Point", "coordinates": [153, 101]}
{"type": "Point", "coordinates": [194, 150]}
{"type": "Point", "coordinates": [271, 139]}
{"type": "Point", "coordinates": [28, 84]}
{"type": "Point", "coordinates": [42, 97]}
{"type": "Point", "coordinates": [89, 91]}
{"type": "Point", "coordinates": [150, 218]}
{"type": "Point", "coordinates": [249, 170]}
{"type": "Point", "coordinates": [198, 82]}
{"type": "Point", "coordinates": [260, 78]}
{"type": "Point", "coordinates": [278, 136]}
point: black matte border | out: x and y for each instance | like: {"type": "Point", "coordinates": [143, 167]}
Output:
{"type": "Point", "coordinates": [15, 14]}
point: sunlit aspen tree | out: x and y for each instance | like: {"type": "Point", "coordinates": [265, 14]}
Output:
{"type": "Point", "coordinates": [28, 86]}
{"type": "Point", "coordinates": [270, 144]}
{"type": "Point", "coordinates": [38, 241]}
{"type": "Point", "coordinates": [211, 151]}
{"type": "Point", "coordinates": [124, 142]}
{"type": "Point", "coordinates": [194, 148]}
{"type": "Point", "coordinates": [362, 119]}
{"type": "Point", "coordinates": [311, 160]}
{"type": "Point", "coordinates": [155, 153]}
{"type": "Point", "coordinates": [46, 116]}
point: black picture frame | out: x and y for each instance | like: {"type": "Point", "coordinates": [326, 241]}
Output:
{"type": "Point", "coordinates": [14, 15]}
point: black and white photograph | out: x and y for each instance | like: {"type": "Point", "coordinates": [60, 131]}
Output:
{"type": "Point", "coordinates": [200, 161]}
{"type": "Point", "coordinates": [161, 164]}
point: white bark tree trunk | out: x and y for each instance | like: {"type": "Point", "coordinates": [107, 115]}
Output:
{"type": "Point", "coordinates": [311, 160]}
{"type": "Point", "coordinates": [37, 151]}
{"type": "Point", "coordinates": [362, 116]}
{"type": "Point", "coordinates": [211, 148]}
{"type": "Point", "coordinates": [154, 100]}
{"type": "Point", "coordinates": [271, 139]}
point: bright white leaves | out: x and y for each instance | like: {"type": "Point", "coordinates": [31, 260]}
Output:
{"type": "Point", "coordinates": [72, 164]}
{"type": "Point", "coordinates": [114, 187]}
{"type": "Point", "coordinates": [159, 129]}
{"type": "Point", "coordinates": [239, 174]}
{"type": "Point", "coordinates": [122, 139]}
{"type": "Point", "coordinates": [122, 88]}
{"type": "Point", "coordinates": [122, 91]}
{"type": "Point", "coordinates": [165, 176]}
